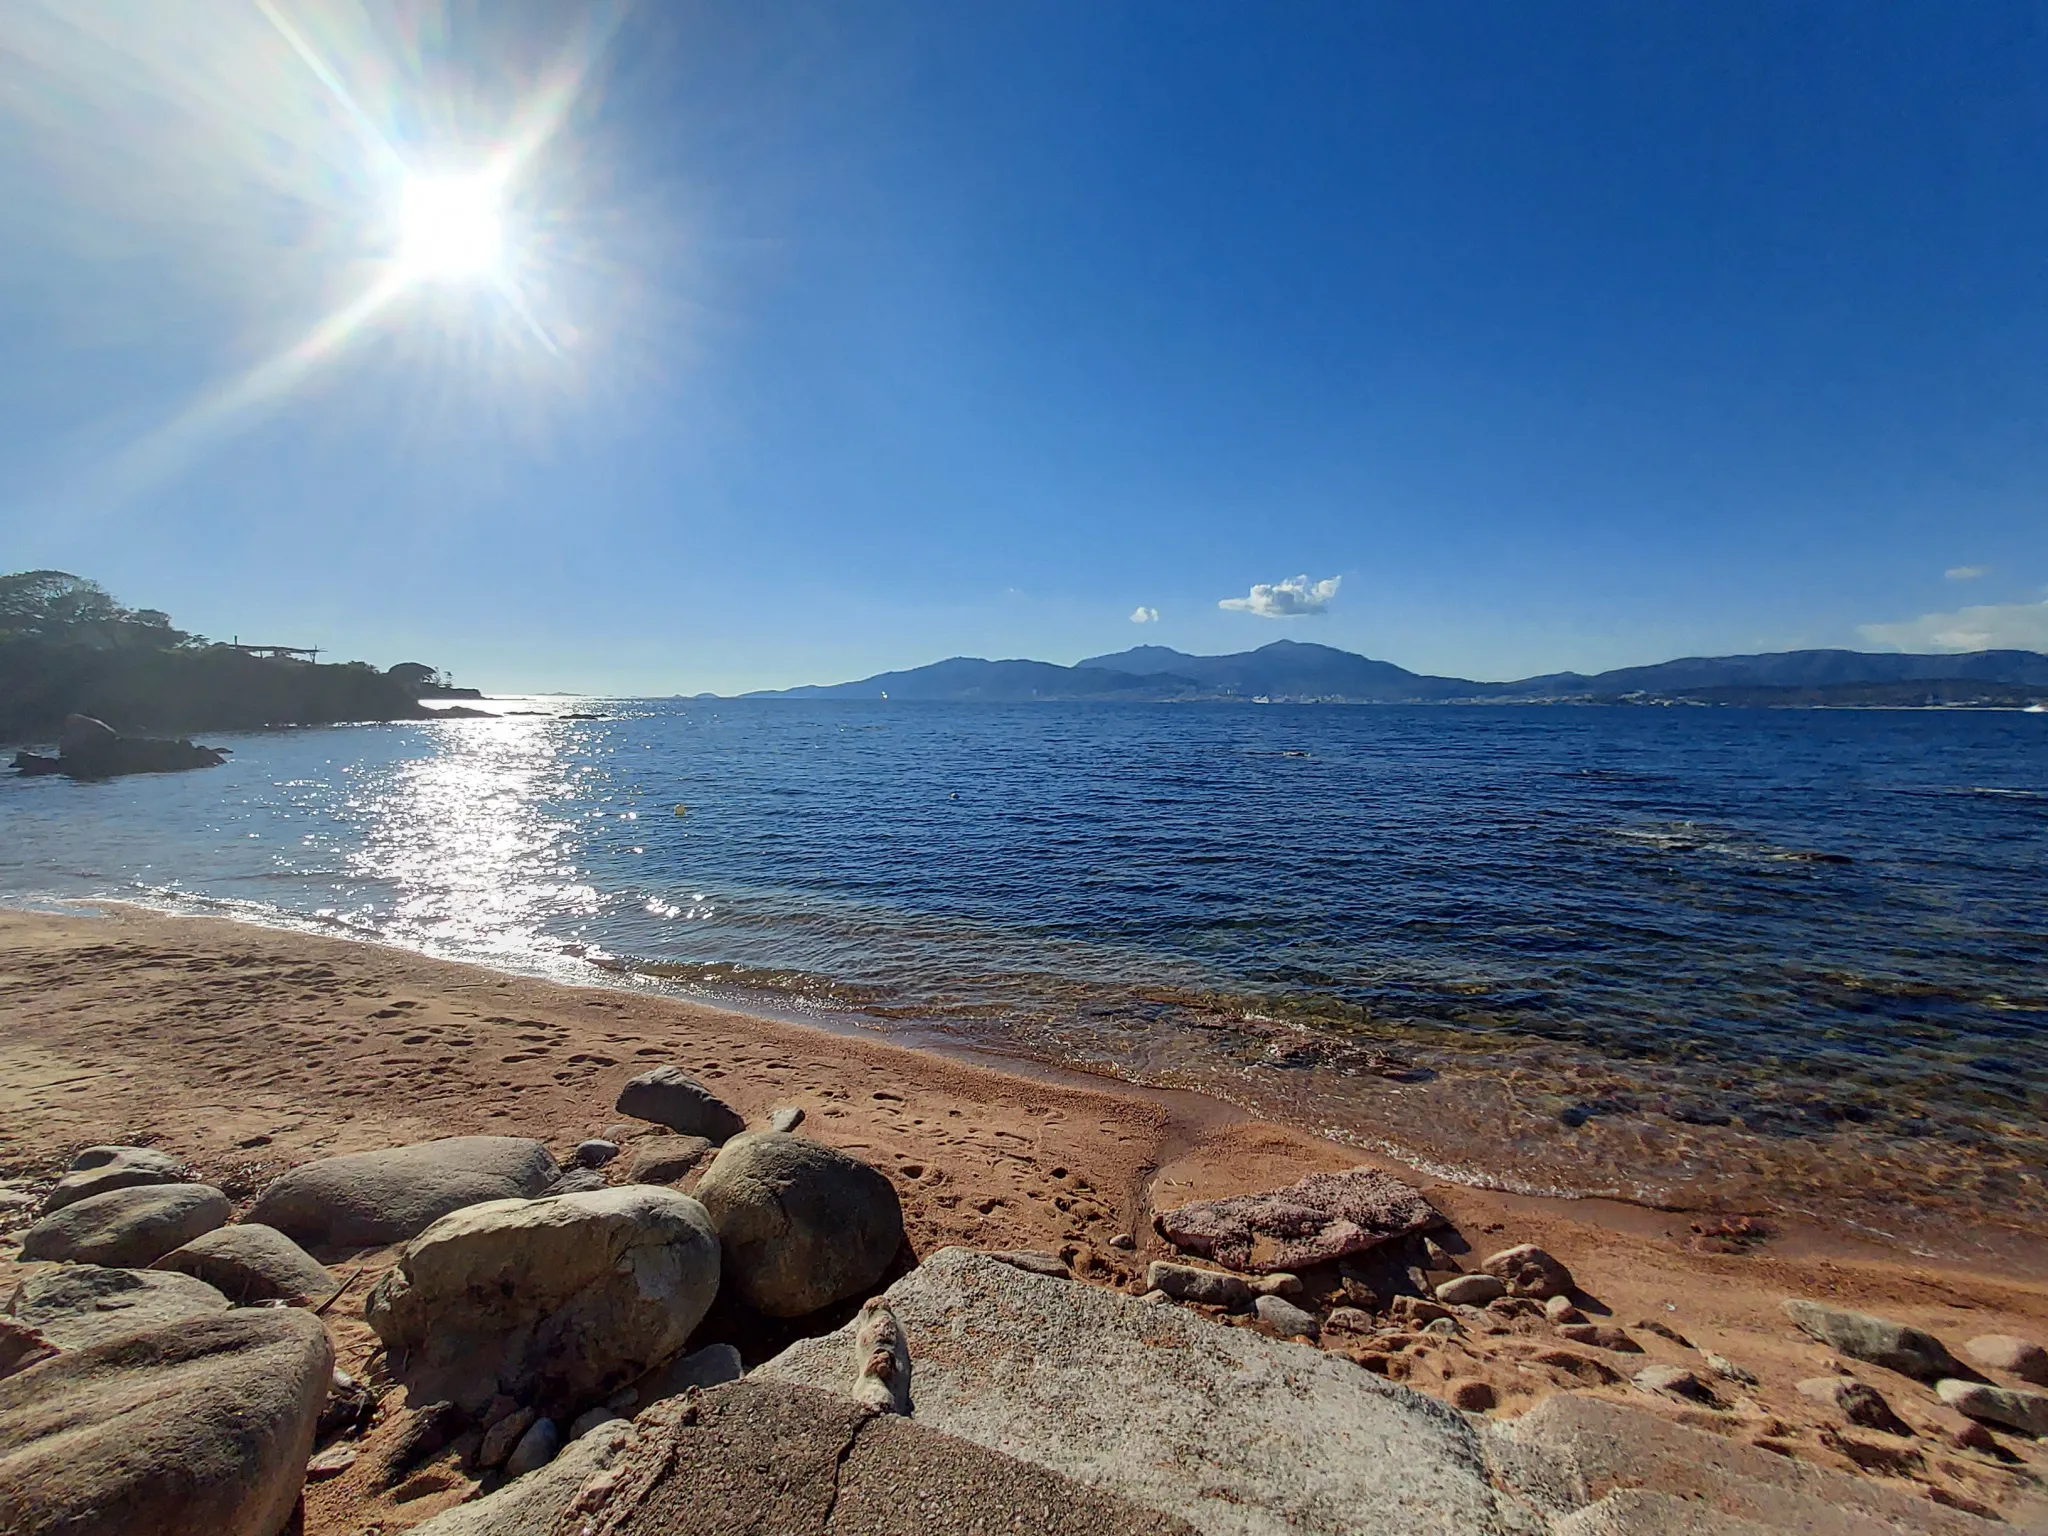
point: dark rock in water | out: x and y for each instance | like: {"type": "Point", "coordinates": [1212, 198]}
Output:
{"type": "Point", "coordinates": [201, 1427]}
{"type": "Point", "coordinates": [92, 749]}
{"type": "Point", "coordinates": [670, 1096]}
{"type": "Point", "coordinates": [1325, 1217]}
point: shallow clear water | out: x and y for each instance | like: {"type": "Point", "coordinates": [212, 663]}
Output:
{"type": "Point", "coordinates": [1762, 960]}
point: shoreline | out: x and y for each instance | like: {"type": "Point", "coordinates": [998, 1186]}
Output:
{"type": "Point", "coordinates": [246, 1049]}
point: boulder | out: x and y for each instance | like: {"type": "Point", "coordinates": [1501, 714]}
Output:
{"type": "Point", "coordinates": [561, 1300]}
{"type": "Point", "coordinates": [91, 749]}
{"type": "Point", "coordinates": [664, 1159]}
{"type": "Point", "coordinates": [252, 1262]}
{"type": "Point", "coordinates": [99, 1169]}
{"type": "Point", "coordinates": [1894, 1346]}
{"type": "Point", "coordinates": [2003, 1352]}
{"type": "Point", "coordinates": [1979, 1400]}
{"type": "Point", "coordinates": [767, 1457]}
{"type": "Point", "coordinates": [1225, 1428]}
{"type": "Point", "coordinates": [670, 1096]}
{"type": "Point", "coordinates": [367, 1199]}
{"type": "Point", "coordinates": [1325, 1217]}
{"type": "Point", "coordinates": [127, 1227]}
{"type": "Point", "coordinates": [1856, 1401]}
{"type": "Point", "coordinates": [802, 1224]}
{"type": "Point", "coordinates": [75, 1306]}
{"type": "Point", "coordinates": [200, 1429]}
{"type": "Point", "coordinates": [1527, 1270]}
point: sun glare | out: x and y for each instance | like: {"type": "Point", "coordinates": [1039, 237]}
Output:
{"type": "Point", "coordinates": [450, 227]}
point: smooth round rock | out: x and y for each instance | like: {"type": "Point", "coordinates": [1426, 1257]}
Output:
{"type": "Point", "coordinates": [595, 1153]}
{"type": "Point", "coordinates": [1471, 1291]}
{"type": "Point", "coordinates": [367, 1199]}
{"type": "Point", "coordinates": [127, 1228]}
{"type": "Point", "coordinates": [251, 1262]}
{"type": "Point", "coordinates": [1284, 1317]}
{"type": "Point", "coordinates": [76, 1306]}
{"type": "Point", "coordinates": [670, 1096]}
{"type": "Point", "coordinates": [802, 1224]}
{"type": "Point", "coordinates": [99, 1169]}
{"type": "Point", "coordinates": [1527, 1270]}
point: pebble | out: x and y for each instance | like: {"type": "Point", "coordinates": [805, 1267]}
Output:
{"type": "Point", "coordinates": [1285, 1317]}
{"type": "Point", "coordinates": [1600, 1336]}
{"type": "Point", "coordinates": [1279, 1283]}
{"type": "Point", "coordinates": [1443, 1327]}
{"type": "Point", "coordinates": [1155, 1298]}
{"type": "Point", "coordinates": [1413, 1309]}
{"type": "Point", "coordinates": [1471, 1291]}
{"type": "Point", "coordinates": [1472, 1396]}
{"type": "Point", "coordinates": [2003, 1352]}
{"type": "Point", "coordinates": [1211, 1287]}
{"type": "Point", "coordinates": [1559, 1309]}
{"type": "Point", "coordinates": [2024, 1411]}
{"type": "Point", "coordinates": [595, 1153]}
{"type": "Point", "coordinates": [785, 1118]}
{"type": "Point", "coordinates": [536, 1448]}
{"type": "Point", "coordinates": [1349, 1320]}
{"type": "Point", "coordinates": [1721, 1365]}
{"type": "Point", "coordinates": [1123, 1241]}
{"type": "Point", "coordinates": [503, 1437]}
{"type": "Point", "coordinates": [332, 1462]}
{"type": "Point", "coordinates": [1675, 1381]}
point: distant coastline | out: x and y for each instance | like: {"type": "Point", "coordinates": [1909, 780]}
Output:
{"type": "Point", "coordinates": [1290, 672]}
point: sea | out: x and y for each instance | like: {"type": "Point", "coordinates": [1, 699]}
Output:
{"type": "Point", "coordinates": [1784, 964]}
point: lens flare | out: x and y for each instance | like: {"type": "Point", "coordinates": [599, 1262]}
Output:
{"type": "Point", "coordinates": [451, 227]}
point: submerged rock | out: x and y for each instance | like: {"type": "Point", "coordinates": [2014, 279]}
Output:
{"type": "Point", "coordinates": [75, 1306]}
{"type": "Point", "coordinates": [563, 1300]}
{"type": "Point", "coordinates": [199, 1429]}
{"type": "Point", "coordinates": [802, 1224]}
{"type": "Point", "coordinates": [366, 1199]}
{"type": "Point", "coordinates": [130, 1227]}
{"type": "Point", "coordinates": [1323, 1218]}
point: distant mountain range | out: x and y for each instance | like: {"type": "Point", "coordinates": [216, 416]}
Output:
{"type": "Point", "coordinates": [1290, 671]}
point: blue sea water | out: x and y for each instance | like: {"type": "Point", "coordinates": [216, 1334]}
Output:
{"type": "Point", "coordinates": [1780, 961]}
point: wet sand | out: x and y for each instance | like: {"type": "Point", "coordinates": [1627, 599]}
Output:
{"type": "Point", "coordinates": [247, 1050]}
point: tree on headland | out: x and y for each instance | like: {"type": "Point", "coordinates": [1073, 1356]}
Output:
{"type": "Point", "coordinates": [59, 608]}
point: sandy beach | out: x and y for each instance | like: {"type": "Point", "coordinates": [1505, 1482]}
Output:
{"type": "Point", "coordinates": [248, 1050]}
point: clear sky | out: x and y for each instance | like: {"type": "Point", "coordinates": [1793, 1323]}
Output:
{"type": "Point", "coordinates": [715, 346]}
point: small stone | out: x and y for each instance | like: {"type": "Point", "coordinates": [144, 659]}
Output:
{"type": "Point", "coordinates": [1413, 1309]}
{"type": "Point", "coordinates": [1279, 1283]}
{"type": "Point", "coordinates": [621, 1132]}
{"type": "Point", "coordinates": [1439, 1257]}
{"type": "Point", "coordinates": [1675, 1381]}
{"type": "Point", "coordinates": [1663, 1331]}
{"type": "Point", "coordinates": [1975, 1437]}
{"type": "Point", "coordinates": [1472, 1396]}
{"type": "Point", "coordinates": [425, 1432]}
{"type": "Point", "coordinates": [1349, 1320]}
{"type": "Point", "coordinates": [1855, 1401]}
{"type": "Point", "coordinates": [1722, 1366]}
{"type": "Point", "coordinates": [1123, 1241]}
{"type": "Point", "coordinates": [1155, 1298]}
{"type": "Point", "coordinates": [1445, 1327]}
{"type": "Point", "coordinates": [1036, 1260]}
{"type": "Point", "coordinates": [1284, 1317]}
{"type": "Point", "coordinates": [1559, 1309]}
{"type": "Point", "coordinates": [1527, 1270]}
{"type": "Point", "coordinates": [1600, 1336]}
{"type": "Point", "coordinates": [706, 1367]}
{"type": "Point", "coordinates": [590, 1418]}
{"type": "Point", "coordinates": [1515, 1306]}
{"type": "Point", "coordinates": [2024, 1411]}
{"type": "Point", "coordinates": [500, 1408]}
{"type": "Point", "coordinates": [1210, 1287]}
{"type": "Point", "coordinates": [595, 1153]}
{"type": "Point", "coordinates": [785, 1118]}
{"type": "Point", "coordinates": [332, 1462]}
{"type": "Point", "coordinates": [2003, 1352]}
{"type": "Point", "coordinates": [536, 1448]}
{"type": "Point", "coordinates": [1470, 1291]}
{"type": "Point", "coordinates": [580, 1181]}
{"type": "Point", "coordinates": [503, 1437]}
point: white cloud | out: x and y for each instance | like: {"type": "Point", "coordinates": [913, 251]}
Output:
{"type": "Point", "coordinates": [1966, 572]}
{"type": "Point", "coordinates": [1990, 627]}
{"type": "Point", "coordinates": [1291, 599]}
{"type": "Point", "coordinates": [1143, 615]}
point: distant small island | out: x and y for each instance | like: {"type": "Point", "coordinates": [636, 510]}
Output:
{"type": "Point", "coordinates": [68, 648]}
{"type": "Point", "coordinates": [1291, 672]}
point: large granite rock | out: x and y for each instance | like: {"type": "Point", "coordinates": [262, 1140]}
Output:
{"type": "Point", "coordinates": [670, 1096]}
{"type": "Point", "coordinates": [92, 749]}
{"type": "Point", "coordinates": [768, 1457]}
{"type": "Point", "coordinates": [1325, 1217]}
{"type": "Point", "coordinates": [802, 1224]}
{"type": "Point", "coordinates": [200, 1429]}
{"type": "Point", "coordinates": [1860, 1336]}
{"type": "Point", "coordinates": [127, 1228]}
{"type": "Point", "coordinates": [2007, 1352]}
{"type": "Point", "coordinates": [558, 1301]}
{"type": "Point", "coordinates": [99, 1169]}
{"type": "Point", "coordinates": [1222, 1427]}
{"type": "Point", "coordinates": [250, 1263]}
{"type": "Point", "coordinates": [366, 1199]}
{"type": "Point", "coordinates": [2010, 1406]}
{"type": "Point", "coordinates": [75, 1306]}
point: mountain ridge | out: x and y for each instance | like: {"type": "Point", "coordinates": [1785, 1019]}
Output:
{"type": "Point", "coordinates": [1304, 671]}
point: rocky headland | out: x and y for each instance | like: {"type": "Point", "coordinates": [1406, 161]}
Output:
{"type": "Point", "coordinates": [309, 1235]}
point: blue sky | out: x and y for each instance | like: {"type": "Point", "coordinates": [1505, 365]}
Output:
{"type": "Point", "coordinates": [833, 338]}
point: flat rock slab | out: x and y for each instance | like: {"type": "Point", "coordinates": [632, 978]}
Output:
{"type": "Point", "coordinates": [200, 1429]}
{"type": "Point", "coordinates": [367, 1199]}
{"type": "Point", "coordinates": [99, 1169]}
{"type": "Point", "coordinates": [1326, 1217]}
{"type": "Point", "coordinates": [1222, 1427]}
{"type": "Point", "coordinates": [250, 1263]}
{"type": "Point", "coordinates": [75, 1306]}
{"type": "Point", "coordinates": [769, 1457]}
{"type": "Point", "coordinates": [127, 1228]}
{"type": "Point", "coordinates": [1896, 1347]}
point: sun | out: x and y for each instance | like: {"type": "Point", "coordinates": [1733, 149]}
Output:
{"type": "Point", "coordinates": [451, 227]}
